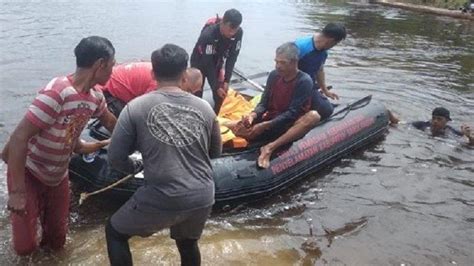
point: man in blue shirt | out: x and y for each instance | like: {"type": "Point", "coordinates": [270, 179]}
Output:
{"type": "Point", "coordinates": [313, 55]}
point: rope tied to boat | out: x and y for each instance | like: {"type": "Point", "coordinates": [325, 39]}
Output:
{"type": "Point", "coordinates": [86, 195]}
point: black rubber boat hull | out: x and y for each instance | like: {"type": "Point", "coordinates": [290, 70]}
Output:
{"type": "Point", "coordinates": [237, 178]}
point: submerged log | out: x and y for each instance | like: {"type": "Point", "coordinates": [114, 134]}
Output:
{"type": "Point", "coordinates": [427, 9]}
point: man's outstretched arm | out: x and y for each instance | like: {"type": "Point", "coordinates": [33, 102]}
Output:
{"type": "Point", "coordinates": [123, 143]}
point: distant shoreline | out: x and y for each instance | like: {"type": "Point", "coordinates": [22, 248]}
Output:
{"type": "Point", "coordinates": [427, 9]}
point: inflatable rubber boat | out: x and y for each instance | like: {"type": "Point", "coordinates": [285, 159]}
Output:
{"type": "Point", "coordinates": [237, 177]}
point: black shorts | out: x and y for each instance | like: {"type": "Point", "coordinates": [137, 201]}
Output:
{"type": "Point", "coordinates": [132, 219]}
{"type": "Point", "coordinates": [271, 134]}
{"type": "Point", "coordinates": [322, 105]}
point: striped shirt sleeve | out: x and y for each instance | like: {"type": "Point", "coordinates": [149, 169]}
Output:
{"type": "Point", "coordinates": [102, 104]}
{"type": "Point", "coordinates": [45, 109]}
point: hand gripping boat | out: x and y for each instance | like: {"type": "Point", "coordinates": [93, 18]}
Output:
{"type": "Point", "coordinates": [237, 177]}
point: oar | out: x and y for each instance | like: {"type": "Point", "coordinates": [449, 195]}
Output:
{"type": "Point", "coordinates": [351, 106]}
{"type": "Point", "coordinates": [86, 195]}
{"type": "Point", "coordinates": [253, 76]}
{"type": "Point", "coordinates": [253, 83]}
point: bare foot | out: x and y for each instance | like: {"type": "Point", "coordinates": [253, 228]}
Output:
{"type": "Point", "coordinates": [394, 121]}
{"type": "Point", "coordinates": [264, 158]}
{"type": "Point", "coordinates": [392, 118]}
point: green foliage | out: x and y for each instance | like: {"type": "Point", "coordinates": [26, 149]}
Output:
{"type": "Point", "coordinates": [448, 4]}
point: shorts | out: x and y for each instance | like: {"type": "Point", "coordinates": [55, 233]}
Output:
{"type": "Point", "coordinates": [132, 219]}
{"type": "Point", "coordinates": [270, 134]}
{"type": "Point", "coordinates": [322, 105]}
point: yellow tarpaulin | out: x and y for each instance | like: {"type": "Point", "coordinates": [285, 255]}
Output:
{"type": "Point", "coordinates": [233, 108]}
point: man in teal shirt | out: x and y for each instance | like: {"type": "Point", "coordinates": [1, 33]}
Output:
{"type": "Point", "coordinates": [313, 55]}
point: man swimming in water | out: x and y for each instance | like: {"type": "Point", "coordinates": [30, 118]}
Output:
{"type": "Point", "coordinates": [438, 125]}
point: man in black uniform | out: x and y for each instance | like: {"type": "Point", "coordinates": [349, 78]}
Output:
{"type": "Point", "coordinates": [219, 40]}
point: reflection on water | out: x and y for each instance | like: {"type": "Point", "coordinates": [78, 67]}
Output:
{"type": "Point", "coordinates": [405, 200]}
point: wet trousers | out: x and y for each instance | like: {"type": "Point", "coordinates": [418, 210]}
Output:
{"type": "Point", "coordinates": [120, 255]}
{"type": "Point", "coordinates": [49, 205]}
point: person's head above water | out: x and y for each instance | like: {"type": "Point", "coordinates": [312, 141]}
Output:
{"type": "Point", "coordinates": [332, 34]}
{"type": "Point", "coordinates": [193, 82]}
{"type": "Point", "coordinates": [439, 119]}
{"type": "Point", "coordinates": [230, 23]}
{"type": "Point", "coordinates": [169, 65]}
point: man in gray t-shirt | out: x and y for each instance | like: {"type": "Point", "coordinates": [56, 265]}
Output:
{"type": "Point", "coordinates": [177, 134]}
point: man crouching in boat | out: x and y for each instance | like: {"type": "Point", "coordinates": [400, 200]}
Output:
{"type": "Point", "coordinates": [284, 107]}
{"type": "Point", "coordinates": [130, 80]}
{"type": "Point", "coordinates": [127, 82]}
{"type": "Point", "coordinates": [177, 134]}
{"type": "Point", "coordinates": [313, 54]}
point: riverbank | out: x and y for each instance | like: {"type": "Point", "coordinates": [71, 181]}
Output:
{"type": "Point", "coordinates": [445, 4]}
{"type": "Point", "coordinates": [455, 13]}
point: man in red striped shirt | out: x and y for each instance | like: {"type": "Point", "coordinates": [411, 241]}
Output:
{"type": "Point", "coordinates": [39, 149]}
